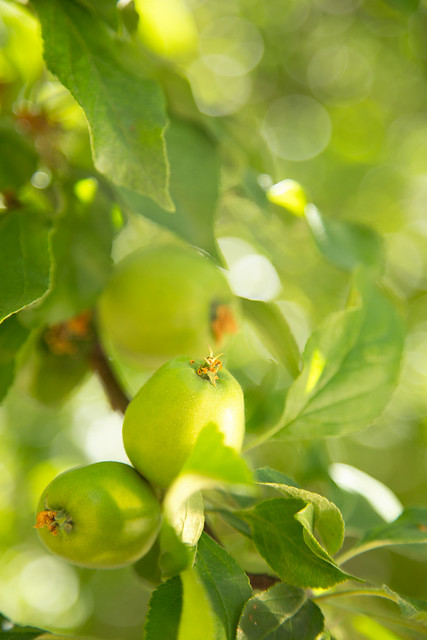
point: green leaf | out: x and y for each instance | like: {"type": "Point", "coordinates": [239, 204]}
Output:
{"type": "Point", "coordinates": [253, 189]}
{"type": "Point", "coordinates": [24, 260]}
{"type": "Point", "coordinates": [179, 535]}
{"type": "Point", "coordinates": [22, 633]}
{"type": "Point", "coordinates": [180, 610]}
{"type": "Point", "coordinates": [18, 159]}
{"type": "Point", "coordinates": [409, 528]}
{"type": "Point", "coordinates": [194, 179]}
{"type": "Point", "coordinates": [371, 629]}
{"type": "Point", "coordinates": [281, 540]}
{"type": "Point", "coordinates": [211, 464]}
{"type": "Point", "coordinates": [126, 113]}
{"type": "Point", "coordinates": [164, 611]}
{"type": "Point", "coordinates": [351, 366]}
{"type": "Point", "coordinates": [326, 635]}
{"type": "Point", "coordinates": [264, 399]}
{"type": "Point", "coordinates": [106, 9]}
{"type": "Point", "coordinates": [211, 458]}
{"type": "Point", "coordinates": [12, 337]}
{"type": "Point", "coordinates": [81, 247]}
{"type": "Point", "coordinates": [21, 47]}
{"type": "Point", "coordinates": [358, 513]}
{"type": "Point", "coordinates": [412, 608]}
{"type": "Point", "coordinates": [197, 618]}
{"type": "Point", "coordinates": [175, 556]}
{"type": "Point", "coordinates": [405, 6]}
{"type": "Point", "coordinates": [306, 518]}
{"type": "Point", "coordinates": [225, 582]}
{"type": "Point", "coordinates": [10, 631]}
{"type": "Point", "coordinates": [282, 612]}
{"type": "Point", "coordinates": [148, 567]}
{"type": "Point", "coordinates": [234, 521]}
{"type": "Point", "coordinates": [269, 475]}
{"type": "Point", "coordinates": [345, 244]}
{"type": "Point", "coordinates": [328, 520]}
{"type": "Point", "coordinates": [190, 519]}
{"type": "Point", "coordinates": [276, 332]}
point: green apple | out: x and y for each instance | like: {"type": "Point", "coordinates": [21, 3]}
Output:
{"type": "Point", "coordinates": [57, 360]}
{"type": "Point", "coordinates": [165, 301]}
{"type": "Point", "coordinates": [103, 515]}
{"type": "Point", "coordinates": [165, 417]}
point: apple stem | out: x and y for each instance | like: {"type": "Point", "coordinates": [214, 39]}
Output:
{"type": "Point", "coordinates": [100, 364]}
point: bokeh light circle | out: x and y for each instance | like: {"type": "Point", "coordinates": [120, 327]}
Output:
{"type": "Point", "coordinates": [215, 94]}
{"type": "Point", "coordinates": [297, 127]}
{"type": "Point", "coordinates": [339, 6]}
{"type": "Point", "coordinates": [339, 75]}
{"type": "Point", "coordinates": [231, 46]}
{"type": "Point", "coordinates": [59, 591]}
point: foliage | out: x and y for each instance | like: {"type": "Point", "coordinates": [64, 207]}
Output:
{"type": "Point", "coordinates": [280, 142]}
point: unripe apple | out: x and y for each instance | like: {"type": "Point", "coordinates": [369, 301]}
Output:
{"type": "Point", "coordinates": [165, 417]}
{"type": "Point", "coordinates": [103, 515]}
{"type": "Point", "coordinates": [58, 360]}
{"type": "Point", "coordinates": [165, 301]}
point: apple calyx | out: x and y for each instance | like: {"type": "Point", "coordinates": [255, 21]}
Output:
{"type": "Point", "coordinates": [223, 322]}
{"type": "Point", "coordinates": [209, 370]}
{"type": "Point", "coordinates": [63, 339]}
{"type": "Point", "coordinates": [55, 521]}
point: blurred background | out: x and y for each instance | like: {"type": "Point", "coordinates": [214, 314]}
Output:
{"type": "Point", "coordinates": [329, 93]}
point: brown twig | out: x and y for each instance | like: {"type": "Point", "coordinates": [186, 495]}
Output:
{"type": "Point", "coordinates": [208, 530]}
{"type": "Point", "coordinates": [261, 581]}
{"type": "Point", "coordinates": [100, 364]}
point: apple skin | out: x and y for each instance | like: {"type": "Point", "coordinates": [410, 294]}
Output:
{"type": "Point", "coordinates": [165, 417]}
{"type": "Point", "coordinates": [112, 516]}
{"type": "Point", "coordinates": [163, 302]}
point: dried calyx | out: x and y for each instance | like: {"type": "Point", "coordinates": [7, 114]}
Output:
{"type": "Point", "coordinates": [223, 322]}
{"type": "Point", "coordinates": [63, 338]}
{"type": "Point", "coordinates": [210, 367]}
{"type": "Point", "coordinates": [55, 521]}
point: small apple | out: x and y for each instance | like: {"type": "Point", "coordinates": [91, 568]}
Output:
{"type": "Point", "coordinates": [165, 417]}
{"type": "Point", "coordinates": [103, 515]}
{"type": "Point", "coordinates": [164, 301]}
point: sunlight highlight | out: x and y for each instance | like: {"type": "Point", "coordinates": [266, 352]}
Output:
{"type": "Point", "coordinates": [317, 366]}
{"type": "Point", "coordinates": [380, 497]}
